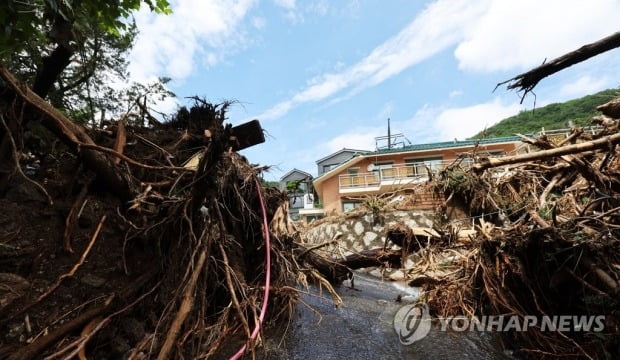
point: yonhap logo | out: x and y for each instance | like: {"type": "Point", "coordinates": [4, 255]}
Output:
{"type": "Point", "coordinates": [412, 323]}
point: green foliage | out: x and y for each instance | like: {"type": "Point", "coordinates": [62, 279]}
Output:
{"type": "Point", "coordinates": [456, 180]}
{"type": "Point", "coordinates": [269, 184]}
{"type": "Point", "coordinates": [293, 186]}
{"type": "Point", "coordinates": [99, 34]}
{"type": "Point", "coordinates": [21, 21]}
{"type": "Point", "coordinates": [552, 116]}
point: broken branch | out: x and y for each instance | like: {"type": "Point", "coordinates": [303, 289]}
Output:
{"type": "Point", "coordinates": [528, 80]}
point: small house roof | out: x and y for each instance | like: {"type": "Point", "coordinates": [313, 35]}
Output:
{"type": "Point", "coordinates": [340, 152]}
{"type": "Point", "coordinates": [295, 170]}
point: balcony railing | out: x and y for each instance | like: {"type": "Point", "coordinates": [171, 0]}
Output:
{"type": "Point", "coordinates": [397, 174]}
{"type": "Point", "coordinates": [409, 173]}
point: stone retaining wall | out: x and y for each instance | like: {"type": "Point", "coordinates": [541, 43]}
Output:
{"type": "Point", "coordinates": [365, 231]}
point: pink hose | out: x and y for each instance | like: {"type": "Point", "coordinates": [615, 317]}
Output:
{"type": "Point", "coordinates": [263, 309]}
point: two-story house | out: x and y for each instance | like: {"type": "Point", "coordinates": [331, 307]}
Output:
{"type": "Point", "coordinates": [298, 184]}
{"type": "Point", "coordinates": [303, 204]}
{"type": "Point", "coordinates": [341, 187]}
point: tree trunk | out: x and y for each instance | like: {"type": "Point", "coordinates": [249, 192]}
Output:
{"type": "Point", "coordinates": [53, 65]}
{"type": "Point", "coordinates": [51, 68]}
{"type": "Point", "coordinates": [72, 135]}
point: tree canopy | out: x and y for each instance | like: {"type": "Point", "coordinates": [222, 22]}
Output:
{"type": "Point", "coordinates": [74, 51]}
{"type": "Point", "coordinates": [23, 21]}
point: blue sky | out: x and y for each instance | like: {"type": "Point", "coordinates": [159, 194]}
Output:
{"type": "Point", "coordinates": [322, 75]}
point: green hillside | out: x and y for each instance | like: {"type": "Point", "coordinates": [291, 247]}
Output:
{"type": "Point", "coordinates": [552, 116]}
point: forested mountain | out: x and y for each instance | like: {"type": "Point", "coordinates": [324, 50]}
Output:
{"type": "Point", "coordinates": [553, 116]}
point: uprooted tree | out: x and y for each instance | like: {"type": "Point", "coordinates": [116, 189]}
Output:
{"type": "Point", "coordinates": [128, 239]}
{"type": "Point", "coordinates": [181, 253]}
{"type": "Point", "coordinates": [184, 248]}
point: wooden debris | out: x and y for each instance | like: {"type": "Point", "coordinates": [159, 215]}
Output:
{"type": "Point", "coordinates": [528, 80]}
{"type": "Point", "coordinates": [246, 135]}
{"type": "Point", "coordinates": [552, 250]}
{"type": "Point", "coordinates": [120, 141]}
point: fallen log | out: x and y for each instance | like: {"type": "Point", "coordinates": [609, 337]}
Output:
{"type": "Point", "coordinates": [337, 271]}
{"type": "Point", "coordinates": [399, 234]}
{"type": "Point", "coordinates": [333, 271]}
{"type": "Point", "coordinates": [600, 143]}
{"type": "Point", "coordinates": [610, 108]}
{"type": "Point", "coordinates": [371, 258]}
{"type": "Point", "coordinates": [34, 349]}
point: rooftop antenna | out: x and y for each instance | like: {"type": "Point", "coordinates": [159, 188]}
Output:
{"type": "Point", "coordinates": [389, 135]}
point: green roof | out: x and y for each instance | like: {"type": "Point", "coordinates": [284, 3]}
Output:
{"type": "Point", "coordinates": [448, 144]}
{"type": "Point", "coordinates": [431, 146]}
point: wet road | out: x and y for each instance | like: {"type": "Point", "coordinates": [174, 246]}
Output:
{"type": "Point", "coordinates": [362, 328]}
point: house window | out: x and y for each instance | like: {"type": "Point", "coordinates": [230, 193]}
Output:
{"type": "Point", "coordinates": [327, 168]}
{"type": "Point", "coordinates": [384, 169]}
{"type": "Point", "coordinates": [350, 205]}
{"type": "Point", "coordinates": [420, 166]}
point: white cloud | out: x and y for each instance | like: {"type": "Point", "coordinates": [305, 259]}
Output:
{"type": "Point", "coordinates": [467, 121]}
{"type": "Point", "coordinates": [440, 25]}
{"type": "Point", "coordinates": [339, 65]}
{"type": "Point", "coordinates": [320, 7]}
{"type": "Point", "coordinates": [386, 111]}
{"type": "Point", "coordinates": [358, 138]}
{"type": "Point", "coordinates": [521, 34]}
{"type": "Point", "coordinates": [168, 45]}
{"type": "Point", "coordinates": [455, 93]}
{"type": "Point", "coordinates": [259, 22]}
{"type": "Point", "coordinates": [277, 111]}
{"type": "Point", "coordinates": [290, 10]}
{"type": "Point", "coordinates": [211, 58]}
{"type": "Point", "coordinates": [167, 106]}
{"type": "Point", "coordinates": [287, 4]}
{"type": "Point", "coordinates": [491, 35]}
{"type": "Point", "coordinates": [583, 86]}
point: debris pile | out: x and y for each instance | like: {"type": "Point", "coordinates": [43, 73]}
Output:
{"type": "Point", "coordinates": [550, 246]}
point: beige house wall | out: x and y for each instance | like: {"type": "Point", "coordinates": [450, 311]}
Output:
{"type": "Point", "coordinates": [329, 191]}
{"type": "Point", "coordinates": [330, 196]}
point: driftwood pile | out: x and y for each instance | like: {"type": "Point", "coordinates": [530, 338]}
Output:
{"type": "Point", "coordinates": [549, 244]}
